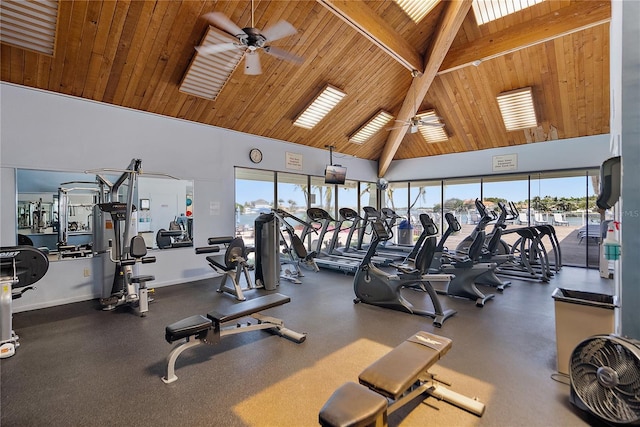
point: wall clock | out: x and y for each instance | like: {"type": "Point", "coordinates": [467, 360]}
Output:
{"type": "Point", "coordinates": [255, 155]}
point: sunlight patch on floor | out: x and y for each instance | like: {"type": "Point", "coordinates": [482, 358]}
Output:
{"type": "Point", "coordinates": [297, 399]}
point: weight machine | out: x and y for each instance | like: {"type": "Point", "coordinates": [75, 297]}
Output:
{"type": "Point", "coordinates": [115, 240]}
{"type": "Point", "coordinates": [20, 268]}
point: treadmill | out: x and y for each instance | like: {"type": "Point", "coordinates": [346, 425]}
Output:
{"type": "Point", "coordinates": [371, 214]}
{"type": "Point", "coordinates": [381, 258]}
{"type": "Point", "coordinates": [324, 259]}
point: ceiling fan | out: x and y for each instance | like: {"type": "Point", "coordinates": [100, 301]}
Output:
{"type": "Point", "coordinates": [251, 40]}
{"type": "Point", "coordinates": [420, 119]}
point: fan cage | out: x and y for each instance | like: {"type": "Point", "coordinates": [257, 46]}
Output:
{"type": "Point", "coordinates": [605, 378]}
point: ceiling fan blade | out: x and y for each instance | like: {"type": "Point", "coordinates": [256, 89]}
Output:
{"type": "Point", "coordinates": [278, 30]}
{"type": "Point", "coordinates": [221, 21]}
{"type": "Point", "coordinates": [283, 54]}
{"type": "Point", "coordinates": [252, 64]}
{"type": "Point", "coordinates": [211, 49]}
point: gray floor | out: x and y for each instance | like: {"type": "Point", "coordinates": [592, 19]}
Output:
{"type": "Point", "coordinates": [78, 366]}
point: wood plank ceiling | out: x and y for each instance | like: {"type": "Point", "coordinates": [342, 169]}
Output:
{"type": "Point", "coordinates": [135, 54]}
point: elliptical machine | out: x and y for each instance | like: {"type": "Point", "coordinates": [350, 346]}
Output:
{"type": "Point", "coordinates": [374, 286]}
{"type": "Point", "coordinates": [293, 248]}
{"type": "Point", "coordinates": [466, 268]}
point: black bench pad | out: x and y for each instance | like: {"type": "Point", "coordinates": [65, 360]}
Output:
{"type": "Point", "coordinates": [395, 372]}
{"type": "Point", "coordinates": [222, 267]}
{"type": "Point", "coordinates": [353, 405]}
{"type": "Point", "coordinates": [248, 307]}
{"type": "Point", "coordinates": [187, 327]}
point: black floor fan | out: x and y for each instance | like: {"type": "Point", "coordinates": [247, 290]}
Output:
{"type": "Point", "coordinates": [605, 378]}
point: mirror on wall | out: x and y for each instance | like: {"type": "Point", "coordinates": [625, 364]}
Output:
{"type": "Point", "coordinates": [56, 211]}
{"type": "Point", "coordinates": [165, 212]}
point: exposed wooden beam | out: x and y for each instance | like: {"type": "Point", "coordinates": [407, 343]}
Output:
{"type": "Point", "coordinates": [449, 25]}
{"type": "Point", "coordinates": [561, 22]}
{"type": "Point", "coordinates": [366, 22]}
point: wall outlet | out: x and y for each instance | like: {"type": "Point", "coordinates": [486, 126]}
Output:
{"type": "Point", "coordinates": [87, 272]}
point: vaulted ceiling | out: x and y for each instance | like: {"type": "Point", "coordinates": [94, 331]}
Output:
{"type": "Point", "coordinates": [135, 54]}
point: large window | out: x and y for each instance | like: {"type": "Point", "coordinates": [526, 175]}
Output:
{"type": "Point", "coordinates": [348, 197]}
{"type": "Point", "coordinates": [323, 196]}
{"type": "Point", "coordinates": [368, 195]}
{"type": "Point", "coordinates": [567, 201]}
{"type": "Point", "coordinates": [254, 195]}
{"type": "Point", "coordinates": [513, 192]}
{"type": "Point", "coordinates": [292, 193]}
{"type": "Point", "coordinates": [564, 199]}
{"type": "Point", "coordinates": [396, 198]}
{"type": "Point", "coordinates": [459, 196]}
{"type": "Point", "coordinates": [425, 197]}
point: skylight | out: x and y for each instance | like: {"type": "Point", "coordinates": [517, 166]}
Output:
{"type": "Point", "coordinates": [432, 134]}
{"type": "Point", "coordinates": [490, 10]}
{"type": "Point", "coordinates": [29, 25]}
{"type": "Point", "coordinates": [417, 9]}
{"type": "Point", "coordinates": [319, 107]}
{"type": "Point", "coordinates": [371, 127]}
{"type": "Point", "coordinates": [208, 73]}
{"type": "Point", "coordinates": [517, 109]}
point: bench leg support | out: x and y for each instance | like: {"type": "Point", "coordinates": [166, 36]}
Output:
{"type": "Point", "coordinates": [437, 390]}
{"type": "Point", "coordinates": [173, 356]}
{"type": "Point", "coordinates": [272, 324]}
{"type": "Point", "coordinates": [463, 402]}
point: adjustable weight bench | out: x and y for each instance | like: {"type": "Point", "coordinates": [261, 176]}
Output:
{"type": "Point", "coordinates": [199, 329]}
{"type": "Point", "coordinates": [391, 382]}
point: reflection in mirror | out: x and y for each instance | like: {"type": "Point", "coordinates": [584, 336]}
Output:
{"type": "Point", "coordinates": [165, 217]}
{"type": "Point", "coordinates": [55, 211]}
{"type": "Point", "coordinates": [42, 223]}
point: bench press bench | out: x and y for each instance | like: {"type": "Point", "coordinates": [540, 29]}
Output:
{"type": "Point", "coordinates": [198, 329]}
{"type": "Point", "coordinates": [392, 381]}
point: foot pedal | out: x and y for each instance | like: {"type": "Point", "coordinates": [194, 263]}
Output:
{"type": "Point", "coordinates": [109, 304]}
{"type": "Point", "coordinates": [7, 350]}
